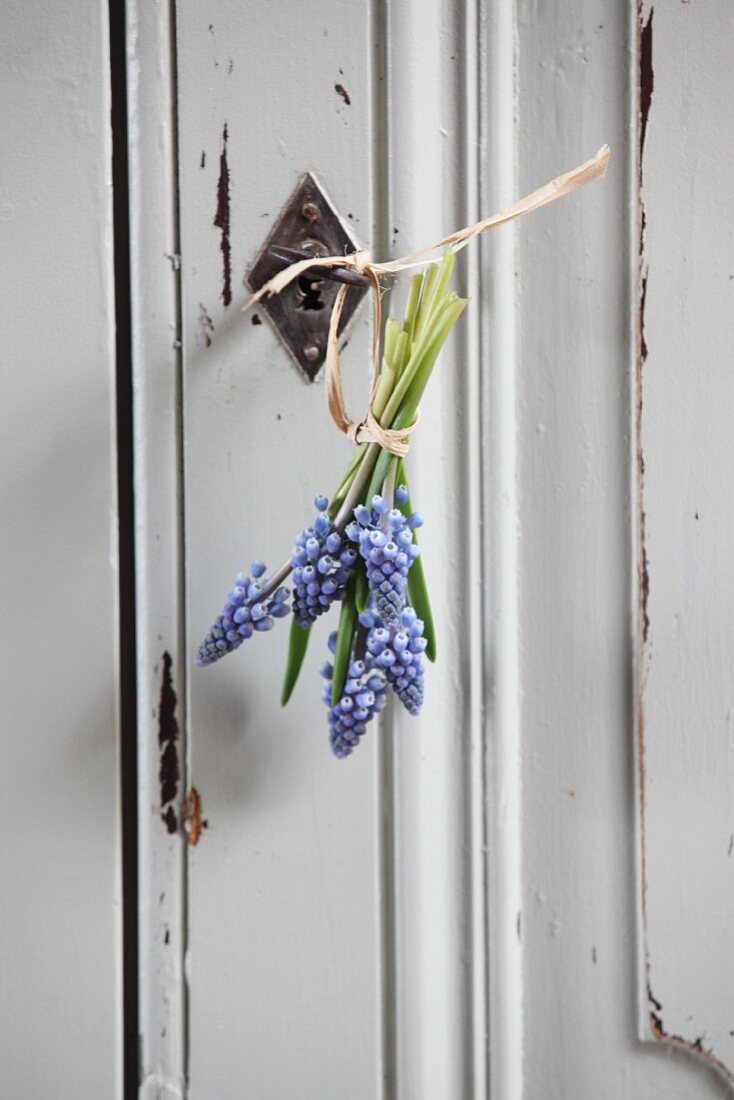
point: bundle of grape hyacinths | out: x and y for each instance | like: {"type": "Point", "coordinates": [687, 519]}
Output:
{"type": "Point", "coordinates": [361, 550]}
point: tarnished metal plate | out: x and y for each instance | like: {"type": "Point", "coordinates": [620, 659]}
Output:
{"type": "Point", "coordinates": [301, 312]}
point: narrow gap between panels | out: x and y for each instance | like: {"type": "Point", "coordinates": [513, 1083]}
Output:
{"type": "Point", "coordinates": [126, 548]}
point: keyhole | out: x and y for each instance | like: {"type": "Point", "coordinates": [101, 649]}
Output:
{"type": "Point", "coordinates": [309, 291]}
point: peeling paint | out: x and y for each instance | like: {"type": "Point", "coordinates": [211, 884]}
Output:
{"type": "Point", "coordinates": [221, 219]}
{"type": "Point", "coordinates": [693, 1046]}
{"type": "Point", "coordinates": [206, 326]}
{"type": "Point", "coordinates": [169, 771]}
{"type": "Point", "coordinates": [644, 102]}
{"type": "Point", "coordinates": [645, 91]}
{"type": "Point", "coordinates": [647, 79]}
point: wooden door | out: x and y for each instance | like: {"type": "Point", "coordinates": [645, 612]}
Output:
{"type": "Point", "coordinates": [525, 893]}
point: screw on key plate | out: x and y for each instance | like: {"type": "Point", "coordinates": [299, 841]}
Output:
{"type": "Point", "coordinates": [308, 226]}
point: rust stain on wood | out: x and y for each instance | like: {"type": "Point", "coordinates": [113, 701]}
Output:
{"type": "Point", "coordinates": [169, 770]}
{"type": "Point", "coordinates": [221, 219]}
{"type": "Point", "coordinates": [194, 821]}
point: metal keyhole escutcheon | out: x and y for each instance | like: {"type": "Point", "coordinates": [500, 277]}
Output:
{"type": "Point", "coordinates": [307, 226]}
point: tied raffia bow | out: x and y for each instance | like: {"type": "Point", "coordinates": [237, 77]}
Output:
{"type": "Point", "coordinates": [368, 430]}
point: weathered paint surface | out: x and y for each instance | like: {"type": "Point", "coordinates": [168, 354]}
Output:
{"type": "Point", "coordinates": [578, 296]}
{"type": "Point", "coordinates": [60, 944]}
{"type": "Point", "coordinates": [451, 912]}
{"type": "Point", "coordinates": [360, 930]}
{"type": "Point", "coordinates": [283, 959]}
{"type": "Point", "coordinates": [685, 400]}
{"type": "Point", "coordinates": [162, 779]}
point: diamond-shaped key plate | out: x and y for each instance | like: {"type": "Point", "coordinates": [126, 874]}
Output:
{"type": "Point", "coordinates": [301, 312]}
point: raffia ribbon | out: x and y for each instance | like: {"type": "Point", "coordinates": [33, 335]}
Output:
{"type": "Point", "coordinates": [368, 430]}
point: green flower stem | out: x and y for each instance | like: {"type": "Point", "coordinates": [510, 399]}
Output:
{"type": "Point", "coordinates": [410, 352]}
{"type": "Point", "coordinates": [356, 490]}
{"type": "Point", "coordinates": [362, 588]}
{"type": "Point", "coordinates": [411, 306]}
{"type": "Point", "coordinates": [390, 481]}
{"type": "Point", "coordinates": [344, 641]}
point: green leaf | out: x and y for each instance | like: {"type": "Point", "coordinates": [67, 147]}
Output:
{"type": "Point", "coordinates": [362, 588]}
{"type": "Point", "coordinates": [417, 588]}
{"type": "Point", "coordinates": [421, 604]}
{"type": "Point", "coordinates": [344, 642]}
{"type": "Point", "coordinates": [297, 646]}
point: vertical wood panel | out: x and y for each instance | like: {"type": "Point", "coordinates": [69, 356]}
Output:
{"type": "Point", "coordinates": [60, 1025]}
{"type": "Point", "coordinates": [577, 277]}
{"type": "Point", "coordinates": [686, 537]}
{"type": "Point", "coordinates": [283, 959]}
{"type": "Point", "coordinates": [440, 906]}
{"type": "Point", "coordinates": [159, 568]}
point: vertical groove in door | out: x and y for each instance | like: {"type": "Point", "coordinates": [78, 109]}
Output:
{"type": "Point", "coordinates": [126, 547]}
{"type": "Point", "coordinates": [385, 762]}
{"type": "Point", "coordinates": [472, 46]}
{"type": "Point", "coordinates": [500, 303]}
{"type": "Point", "coordinates": [181, 541]}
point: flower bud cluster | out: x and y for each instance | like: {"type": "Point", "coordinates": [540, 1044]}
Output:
{"type": "Point", "coordinates": [243, 614]}
{"type": "Point", "coordinates": [398, 651]}
{"type": "Point", "coordinates": [322, 564]}
{"type": "Point", "coordinates": [363, 697]}
{"type": "Point", "coordinates": [385, 539]}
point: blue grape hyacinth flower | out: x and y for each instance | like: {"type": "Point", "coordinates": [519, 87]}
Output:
{"type": "Point", "coordinates": [242, 615]}
{"type": "Point", "coordinates": [322, 564]}
{"type": "Point", "coordinates": [385, 539]}
{"type": "Point", "coordinates": [398, 651]}
{"type": "Point", "coordinates": [363, 697]}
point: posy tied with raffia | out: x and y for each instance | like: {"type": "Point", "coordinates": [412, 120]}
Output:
{"type": "Point", "coordinates": [361, 550]}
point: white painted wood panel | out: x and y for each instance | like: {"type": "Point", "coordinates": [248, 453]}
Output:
{"type": "Point", "coordinates": [435, 60]}
{"type": "Point", "coordinates": [162, 795]}
{"type": "Point", "coordinates": [60, 952]}
{"type": "Point", "coordinates": [340, 915]}
{"type": "Point", "coordinates": [283, 962]}
{"type": "Point", "coordinates": [577, 280]}
{"type": "Point", "coordinates": [685, 403]}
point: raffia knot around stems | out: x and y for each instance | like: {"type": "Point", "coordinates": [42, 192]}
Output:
{"type": "Point", "coordinates": [368, 429]}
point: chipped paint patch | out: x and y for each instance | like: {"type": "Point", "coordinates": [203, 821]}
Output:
{"type": "Point", "coordinates": [222, 219]}
{"type": "Point", "coordinates": [206, 326]}
{"type": "Point", "coordinates": [693, 1046]}
{"type": "Point", "coordinates": [647, 78]}
{"type": "Point", "coordinates": [169, 772]}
